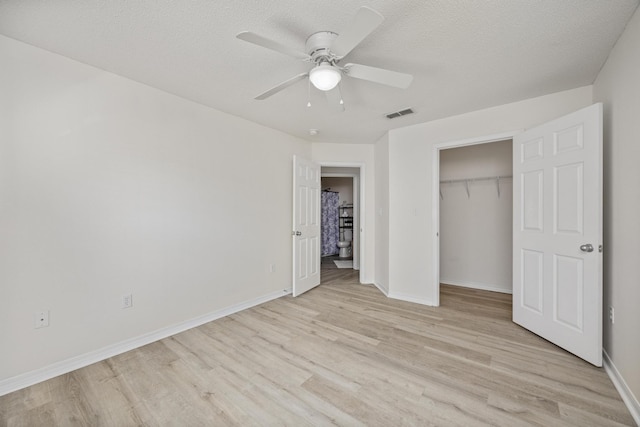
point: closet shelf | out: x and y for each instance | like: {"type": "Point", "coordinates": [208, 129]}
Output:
{"type": "Point", "coordinates": [468, 180]}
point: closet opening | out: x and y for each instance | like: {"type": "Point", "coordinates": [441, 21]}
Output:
{"type": "Point", "coordinates": [475, 203]}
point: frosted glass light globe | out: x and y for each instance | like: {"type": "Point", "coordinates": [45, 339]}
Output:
{"type": "Point", "coordinates": [325, 77]}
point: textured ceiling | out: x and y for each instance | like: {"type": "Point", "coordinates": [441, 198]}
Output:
{"type": "Point", "coordinates": [464, 54]}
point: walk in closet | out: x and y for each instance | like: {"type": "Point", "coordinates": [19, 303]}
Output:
{"type": "Point", "coordinates": [476, 188]}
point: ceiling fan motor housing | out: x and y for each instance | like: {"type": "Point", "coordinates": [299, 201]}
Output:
{"type": "Point", "coordinates": [318, 46]}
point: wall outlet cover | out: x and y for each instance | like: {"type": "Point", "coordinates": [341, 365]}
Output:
{"type": "Point", "coordinates": [127, 301]}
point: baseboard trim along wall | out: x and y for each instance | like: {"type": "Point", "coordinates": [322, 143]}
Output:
{"type": "Point", "coordinates": [410, 298]}
{"type": "Point", "coordinates": [382, 288]}
{"type": "Point", "coordinates": [30, 378]}
{"type": "Point", "coordinates": [476, 285]}
{"type": "Point", "coordinates": [625, 392]}
{"type": "Point", "coordinates": [401, 297]}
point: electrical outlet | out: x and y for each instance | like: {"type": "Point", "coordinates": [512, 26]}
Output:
{"type": "Point", "coordinates": [611, 315]}
{"type": "Point", "coordinates": [127, 301]}
{"type": "Point", "coordinates": [41, 319]}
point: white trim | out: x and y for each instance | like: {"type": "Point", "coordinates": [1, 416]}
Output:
{"type": "Point", "coordinates": [435, 215]}
{"type": "Point", "coordinates": [409, 298]}
{"type": "Point", "coordinates": [382, 289]}
{"type": "Point", "coordinates": [625, 392]}
{"type": "Point", "coordinates": [435, 195]}
{"type": "Point", "coordinates": [476, 285]}
{"type": "Point", "coordinates": [362, 210]}
{"type": "Point", "coordinates": [18, 382]}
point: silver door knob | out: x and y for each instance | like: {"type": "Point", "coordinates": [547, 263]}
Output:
{"type": "Point", "coordinates": [299, 233]}
{"type": "Point", "coordinates": [587, 248]}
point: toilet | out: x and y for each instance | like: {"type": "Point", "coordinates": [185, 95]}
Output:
{"type": "Point", "coordinates": [344, 248]}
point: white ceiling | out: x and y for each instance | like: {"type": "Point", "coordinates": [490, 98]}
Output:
{"type": "Point", "coordinates": [464, 54]}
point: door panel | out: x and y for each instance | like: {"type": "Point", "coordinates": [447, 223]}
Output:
{"type": "Point", "coordinates": [532, 201]}
{"type": "Point", "coordinates": [532, 150]}
{"type": "Point", "coordinates": [557, 176]}
{"type": "Point", "coordinates": [569, 188]}
{"type": "Point", "coordinates": [532, 278]}
{"type": "Point", "coordinates": [568, 283]}
{"type": "Point", "coordinates": [568, 139]}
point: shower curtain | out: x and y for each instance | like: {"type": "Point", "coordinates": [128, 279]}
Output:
{"type": "Point", "coordinates": [329, 227]}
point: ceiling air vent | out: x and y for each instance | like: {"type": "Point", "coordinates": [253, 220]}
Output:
{"type": "Point", "coordinates": [399, 113]}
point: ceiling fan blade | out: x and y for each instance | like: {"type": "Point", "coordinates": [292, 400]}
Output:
{"type": "Point", "coordinates": [379, 75]}
{"type": "Point", "coordinates": [281, 86]}
{"type": "Point", "coordinates": [334, 99]}
{"type": "Point", "coordinates": [254, 38]}
{"type": "Point", "coordinates": [363, 24]}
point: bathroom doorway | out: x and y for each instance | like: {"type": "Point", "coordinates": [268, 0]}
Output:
{"type": "Point", "coordinates": [336, 230]}
{"type": "Point", "coordinates": [340, 218]}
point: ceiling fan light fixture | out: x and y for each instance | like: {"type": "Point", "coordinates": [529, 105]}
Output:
{"type": "Point", "coordinates": [325, 76]}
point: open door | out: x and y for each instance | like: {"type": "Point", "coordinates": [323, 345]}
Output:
{"type": "Point", "coordinates": [557, 232]}
{"type": "Point", "coordinates": [306, 225]}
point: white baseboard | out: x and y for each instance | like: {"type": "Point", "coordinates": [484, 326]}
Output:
{"type": "Point", "coordinates": [18, 382]}
{"type": "Point", "coordinates": [625, 392]}
{"type": "Point", "coordinates": [476, 285]}
{"type": "Point", "coordinates": [382, 288]}
{"type": "Point", "coordinates": [400, 296]}
{"type": "Point", "coordinates": [410, 298]}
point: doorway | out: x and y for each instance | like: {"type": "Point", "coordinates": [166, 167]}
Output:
{"type": "Point", "coordinates": [306, 220]}
{"type": "Point", "coordinates": [557, 190]}
{"type": "Point", "coordinates": [337, 212]}
{"type": "Point", "coordinates": [436, 201]}
{"type": "Point", "coordinates": [348, 182]}
{"type": "Point", "coordinates": [476, 211]}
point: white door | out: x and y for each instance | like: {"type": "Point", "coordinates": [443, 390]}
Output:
{"type": "Point", "coordinates": [306, 225]}
{"type": "Point", "coordinates": [557, 232]}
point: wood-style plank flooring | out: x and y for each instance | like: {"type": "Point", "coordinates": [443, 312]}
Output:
{"type": "Point", "coordinates": [341, 354]}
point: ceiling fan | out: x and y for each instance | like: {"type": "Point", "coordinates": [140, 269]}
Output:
{"type": "Point", "coordinates": [325, 49]}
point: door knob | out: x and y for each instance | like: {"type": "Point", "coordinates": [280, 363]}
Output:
{"type": "Point", "coordinates": [299, 233]}
{"type": "Point", "coordinates": [587, 248]}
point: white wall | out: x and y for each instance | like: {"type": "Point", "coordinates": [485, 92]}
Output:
{"type": "Point", "coordinates": [618, 88]}
{"type": "Point", "coordinates": [109, 187]}
{"type": "Point", "coordinates": [331, 154]}
{"type": "Point", "coordinates": [381, 214]}
{"type": "Point", "coordinates": [411, 230]}
{"type": "Point", "coordinates": [343, 185]}
{"type": "Point", "coordinates": [476, 229]}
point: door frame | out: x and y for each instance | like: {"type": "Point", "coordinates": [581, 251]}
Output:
{"type": "Point", "coordinates": [436, 193]}
{"type": "Point", "coordinates": [360, 218]}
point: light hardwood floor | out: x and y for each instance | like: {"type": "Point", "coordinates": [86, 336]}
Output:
{"type": "Point", "coordinates": [340, 354]}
